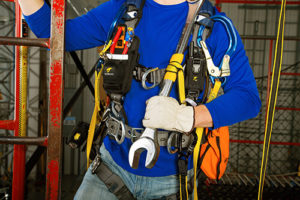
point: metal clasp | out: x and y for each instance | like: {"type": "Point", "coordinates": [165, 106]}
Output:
{"type": "Point", "coordinates": [96, 163]}
{"type": "Point", "coordinates": [133, 133]}
{"type": "Point", "coordinates": [144, 77]}
{"type": "Point", "coordinates": [114, 127]}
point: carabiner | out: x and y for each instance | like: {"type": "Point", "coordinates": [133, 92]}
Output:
{"type": "Point", "coordinates": [223, 70]}
{"type": "Point", "coordinates": [144, 77]}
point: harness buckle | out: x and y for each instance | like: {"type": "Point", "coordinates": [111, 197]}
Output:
{"type": "Point", "coordinates": [144, 78]}
{"type": "Point", "coordinates": [96, 163]}
{"type": "Point", "coordinates": [133, 133]}
{"type": "Point", "coordinates": [113, 128]}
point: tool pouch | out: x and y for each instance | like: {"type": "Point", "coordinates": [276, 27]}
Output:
{"type": "Point", "coordinates": [117, 73]}
{"type": "Point", "coordinates": [214, 153]}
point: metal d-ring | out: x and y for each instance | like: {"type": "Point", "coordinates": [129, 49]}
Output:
{"type": "Point", "coordinates": [144, 77]}
{"type": "Point", "coordinates": [114, 126]}
{"type": "Point", "coordinates": [169, 143]}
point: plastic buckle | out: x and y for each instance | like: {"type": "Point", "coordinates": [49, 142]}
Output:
{"type": "Point", "coordinates": [96, 163]}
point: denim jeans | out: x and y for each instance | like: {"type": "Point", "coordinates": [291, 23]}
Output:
{"type": "Point", "coordinates": [92, 188]}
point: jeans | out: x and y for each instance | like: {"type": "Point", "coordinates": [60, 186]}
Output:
{"type": "Point", "coordinates": [92, 188]}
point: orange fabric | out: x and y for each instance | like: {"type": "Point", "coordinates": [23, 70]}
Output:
{"type": "Point", "coordinates": [210, 154]}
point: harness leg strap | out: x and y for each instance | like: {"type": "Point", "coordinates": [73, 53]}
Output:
{"type": "Point", "coordinates": [112, 181]}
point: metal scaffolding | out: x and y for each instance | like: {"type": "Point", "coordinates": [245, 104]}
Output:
{"type": "Point", "coordinates": [246, 137]}
{"type": "Point", "coordinates": [54, 139]}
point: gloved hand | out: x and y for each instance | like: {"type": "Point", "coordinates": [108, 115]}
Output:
{"type": "Point", "coordinates": [166, 113]}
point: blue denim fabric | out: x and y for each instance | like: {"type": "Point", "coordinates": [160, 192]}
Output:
{"type": "Point", "coordinates": [92, 188]}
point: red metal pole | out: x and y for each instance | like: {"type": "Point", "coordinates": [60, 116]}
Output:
{"type": "Point", "coordinates": [290, 74]}
{"type": "Point", "coordinates": [259, 2]}
{"type": "Point", "coordinates": [9, 0]}
{"type": "Point", "coordinates": [261, 142]}
{"type": "Point", "coordinates": [7, 124]}
{"type": "Point", "coordinates": [54, 151]}
{"type": "Point", "coordinates": [282, 108]}
{"type": "Point", "coordinates": [19, 150]}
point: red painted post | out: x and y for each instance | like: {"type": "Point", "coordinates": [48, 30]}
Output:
{"type": "Point", "coordinates": [19, 150]}
{"type": "Point", "coordinates": [218, 5]}
{"type": "Point", "coordinates": [54, 151]}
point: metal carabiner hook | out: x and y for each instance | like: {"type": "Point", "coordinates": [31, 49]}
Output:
{"type": "Point", "coordinates": [144, 77]}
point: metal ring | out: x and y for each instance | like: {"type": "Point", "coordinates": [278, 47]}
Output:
{"type": "Point", "coordinates": [169, 143]}
{"type": "Point", "coordinates": [144, 77]}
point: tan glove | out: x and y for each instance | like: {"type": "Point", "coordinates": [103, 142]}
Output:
{"type": "Point", "coordinates": [166, 113]}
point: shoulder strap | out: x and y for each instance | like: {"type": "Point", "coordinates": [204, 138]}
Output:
{"type": "Point", "coordinates": [134, 12]}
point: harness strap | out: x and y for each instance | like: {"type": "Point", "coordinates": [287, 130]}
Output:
{"type": "Point", "coordinates": [114, 183]}
{"type": "Point", "coordinates": [95, 118]}
{"type": "Point", "coordinates": [199, 131]}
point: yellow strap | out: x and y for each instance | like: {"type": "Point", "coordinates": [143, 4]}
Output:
{"type": "Point", "coordinates": [185, 189]}
{"type": "Point", "coordinates": [175, 69]}
{"type": "Point", "coordinates": [105, 48]}
{"type": "Point", "coordinates": [181, 88]}
{"type": "Point", "coordinates": [174, 66]}
{"type": "Point", "coordinates": [199, 131]}
{"type": "Point", "coordinates": [95, 118]}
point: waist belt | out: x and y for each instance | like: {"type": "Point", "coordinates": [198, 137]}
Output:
{"type": "Point", "coordinates": [119, 131]}
{"type": "Point", "coordinates": [113, 182]}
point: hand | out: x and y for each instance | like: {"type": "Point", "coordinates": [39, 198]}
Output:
{"type": "Point", "coordinates": [30, 7]}
{"type": "Point", "coordinates": [166, 113]}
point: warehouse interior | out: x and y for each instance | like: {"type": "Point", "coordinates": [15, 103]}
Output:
{"type": "Point", "coordinates": [257, 23]}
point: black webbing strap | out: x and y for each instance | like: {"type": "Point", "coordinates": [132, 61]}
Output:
{"type": "Point", "coordinates": [115, 184]}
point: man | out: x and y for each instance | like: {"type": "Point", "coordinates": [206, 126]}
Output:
{"type": "Point", "coordinates": [159, 31]}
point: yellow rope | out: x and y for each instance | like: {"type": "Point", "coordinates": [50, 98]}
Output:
{"type": "Point", "coordinates": [267, 137]}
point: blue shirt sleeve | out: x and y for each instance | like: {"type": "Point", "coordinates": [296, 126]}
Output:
{"type": "Point", "coordinates": [240, 100]}
{"type": "Point", "coordinates": [83, 32]}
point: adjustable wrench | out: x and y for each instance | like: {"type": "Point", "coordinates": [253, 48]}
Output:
{"type": "Point", "coordinates": [147, 139]}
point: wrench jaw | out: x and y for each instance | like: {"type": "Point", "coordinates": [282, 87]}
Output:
{"type": "Point", "coordinates": [138, 147]}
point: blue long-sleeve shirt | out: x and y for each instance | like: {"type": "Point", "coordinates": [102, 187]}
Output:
{"type": "Point", "coordinates": [159, 31]}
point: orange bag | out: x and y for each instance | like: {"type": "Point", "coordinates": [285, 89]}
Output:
{"type": "Point", "coordinates": [214, 153]}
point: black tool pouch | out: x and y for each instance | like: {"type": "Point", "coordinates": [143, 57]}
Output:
{"type": "Point", "coordinates": [117, 74]}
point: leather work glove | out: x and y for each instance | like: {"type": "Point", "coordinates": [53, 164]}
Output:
{"type": "Point", "coordinates": [166, 113]}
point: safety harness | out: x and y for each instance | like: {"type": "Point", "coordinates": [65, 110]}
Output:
{"type": "Point", "coordinates": [118, 64]}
